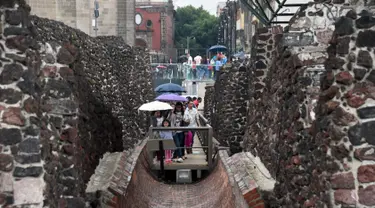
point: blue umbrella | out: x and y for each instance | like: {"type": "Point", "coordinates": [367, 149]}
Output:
{"type": "Point", "coordinates": [218, 48]}
{"type": "Point", "coordinates": [169, 87]}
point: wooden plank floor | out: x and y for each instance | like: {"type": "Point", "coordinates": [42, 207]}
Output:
{"type": "Point", "coordinates": [194, 161]}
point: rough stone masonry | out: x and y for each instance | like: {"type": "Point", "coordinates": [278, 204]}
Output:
{"type": "Point", "coordinates": [226, 105]}
{"type": "Point", "coordinates": [62, 106]}
{"type": "Point", "coordinates": [311, 123]}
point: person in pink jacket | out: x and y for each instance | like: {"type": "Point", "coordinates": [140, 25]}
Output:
{"type": "Point", "coordinates": [188, 141]}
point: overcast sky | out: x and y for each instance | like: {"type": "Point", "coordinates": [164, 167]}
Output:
{"type": "Point", "coordinates": [209, 5]}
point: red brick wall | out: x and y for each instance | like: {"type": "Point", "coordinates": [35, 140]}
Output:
{"type": "Point", "coordinates": [156, 27]}
{"type": "Point", "coordinates": [145, 191]}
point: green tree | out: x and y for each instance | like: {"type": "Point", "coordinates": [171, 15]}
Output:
{"type": "Point", "coordinates": [197, 23]}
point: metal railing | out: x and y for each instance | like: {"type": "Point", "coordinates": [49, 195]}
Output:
{"type": "Point", "coordinates": [182, 71]}
{"type": "Point", "coordinates": [205, 135]}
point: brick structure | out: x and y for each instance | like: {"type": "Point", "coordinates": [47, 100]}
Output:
{"type": "Point", "coordinates": [116, 16]}
{"type": "Point", "coordinates": [124, 179]}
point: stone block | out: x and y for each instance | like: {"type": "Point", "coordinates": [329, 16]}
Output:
{"type": "Point", "coordinates": [58, 89]}
{"type": "Point", "coordinates": [345, 197]}
{"type": "Point", "coordinates": [344, 26]}
{"type": "Point", "coordinates": [367, 195]}
{"type": "Point", "coordinates": [27, 172]}
{"type": "Point", "coordinates": [28, 191]}
{"type": "Point", "coordinates": [13, 17]}
{"type": "Point", "coordinates": [366, 173]}
{"type": "Point", "coordinates": [13, 116]}
{"type": "Point", "coordinates": [365, 39]}
{"type": "Point", "coordinates": [64, 56]}
{"type": "Point", "coordinates": [10, 96]}
{"type": "Point", "coordinates": [367, 153]}
{"type": "Point", "coordinates": [343, 181]}
{"type": "Point", "coordinates": [6, 162]}
{"type": "Point", "coordinates": [6, 181]}
{"type": "Point", "coordinates": [11, 73]}
{"type": "Point", "coordinates": [62, 107]}
{"type": "Point", "coordinates": [324, 37]}
{"type": "Point", "coordinates": [297, 39]}
{"type": "Point", "coordinates": [30, 145]}
{"type": "Point", "coordinates": [364, 59]}
{"type": "Point", "coordinates": [10, 136]}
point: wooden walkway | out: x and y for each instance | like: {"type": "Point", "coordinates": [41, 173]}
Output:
{"type": "Point", "coordinates": [194, 161]}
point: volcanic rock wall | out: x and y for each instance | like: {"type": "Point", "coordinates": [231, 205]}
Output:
{"type": "Point", "coordinates": [346, 108]}
{"type": "Point", "coordinates": [309, 118]}
{"type": "Point", "coordinates": [301, 142]}
{"type": "Point", "coordinates": [62, 106]}
{"type": "Point", "coordinates": [208, 108]}
{"type": "Point", "coordinates": [230, 106]}
{"type": "Point", "coordinates": [281, 117]}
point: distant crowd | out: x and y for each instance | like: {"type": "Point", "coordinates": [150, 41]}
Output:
{"type": "Point", "coordinates": [197, 68]}
{"type": "Point", "coordinates": [205, 68]}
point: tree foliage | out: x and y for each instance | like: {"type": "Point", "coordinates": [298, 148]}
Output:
{"type": "Point", "coordinates": [197, 23]}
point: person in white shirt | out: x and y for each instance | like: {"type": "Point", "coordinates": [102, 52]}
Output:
{"type": "Point", "coordinates": [190, 60]}
{"type": "Point", "coordinates": [200, 70]}
{"type": "Point", "coordinates": [191, 117]}
{"type": "Point", "coordinates": [198, 60]}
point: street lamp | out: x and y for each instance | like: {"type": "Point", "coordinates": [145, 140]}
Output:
{"type": "Point", "coordinates": [187, 43]}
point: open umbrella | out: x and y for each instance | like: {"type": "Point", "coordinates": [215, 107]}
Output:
{"type": "Point", "coordinates": [161, 67]}
{"type": "Point", "coordinates": [155, 106]}
{"type": "Point", "coordinates": [169, 87]}
{"type": "Point", "coordinates": [183, 58]}
{"type": "Point", "coordinates": [218, 48]}
{"type": "Point", "coordinates": [171, 97]}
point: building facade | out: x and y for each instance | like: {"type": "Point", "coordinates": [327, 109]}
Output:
{"type": "Point", "coordinates": [155, 28]}
{"type": "Point", "coordinates": [116, 17]}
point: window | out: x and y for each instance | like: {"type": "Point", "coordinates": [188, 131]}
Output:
{"type": "Point", "coordinates": [149, 23]}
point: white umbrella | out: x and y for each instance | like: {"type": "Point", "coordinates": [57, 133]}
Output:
{"type": "Point", "coordinates": [155, 106]}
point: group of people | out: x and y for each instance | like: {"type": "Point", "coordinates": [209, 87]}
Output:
{"type": "Point", "coordinates": [205, 68]}
{"type": "Point", "coordinates": [183, 115]}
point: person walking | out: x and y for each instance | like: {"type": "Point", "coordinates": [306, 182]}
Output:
{"type": "Point", "coordinates": [191, 117]}
{"type": "Point", "coordinates": [177, 120]}
{"type": "Point", "coordinates": [218, 64]}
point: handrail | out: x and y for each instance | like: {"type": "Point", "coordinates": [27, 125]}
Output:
{"type": "Point", "coordinates": [204, 133]}
{"type": "Point", "coordinates": [179, 128]}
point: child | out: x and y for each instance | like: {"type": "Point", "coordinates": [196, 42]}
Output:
{"type": "Point", "coordinates": [167, 135]}
{"type": "Point", "coordinates": [188, 142]}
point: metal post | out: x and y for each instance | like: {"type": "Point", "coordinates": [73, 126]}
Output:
{"type": "Point", "coordinates": [161, 152]}
{"type": "Point", "coordinates": [187, 43]}
{"type": "Point", "coordinates": [235, 27]}
{"type": "Point", "coordinates": [210, 146]}
{"type": "Point", "coordinates": [96, 15]}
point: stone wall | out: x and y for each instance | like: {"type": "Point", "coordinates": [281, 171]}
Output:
{"type": "Point", "coordinates": [65, 100]}
{"type": "Point", "coordinates": [281, 116]}
{"type": "Point", "coordinates": [263, 104]}
{"type": "Point", "coordinates": [230, 105]}
{"type": "Point", "coordinates": [346, 107]}
{"type": "Point", "coordinates": [208, 108]}
{"type": "Point", "coordinates": [299, 122]}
